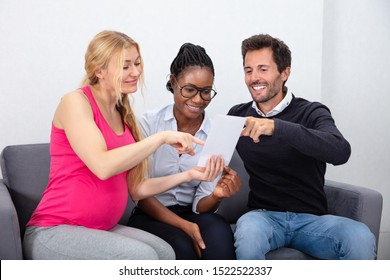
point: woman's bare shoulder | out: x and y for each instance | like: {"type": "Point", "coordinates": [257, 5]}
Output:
{"type": "Point", "coordinates": [75, 95]}
{"type": "Point", "coordinates": [73, 103]}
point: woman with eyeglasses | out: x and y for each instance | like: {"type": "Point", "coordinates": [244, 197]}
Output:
{"type": "Point", "coordinates": [184, 216]}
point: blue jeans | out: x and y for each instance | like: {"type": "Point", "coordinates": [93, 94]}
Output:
{"type": "Point", "coordinates": [323, 237]}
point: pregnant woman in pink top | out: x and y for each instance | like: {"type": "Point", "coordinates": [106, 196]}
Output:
{"type": "Point", "coordinates": [98, 156]}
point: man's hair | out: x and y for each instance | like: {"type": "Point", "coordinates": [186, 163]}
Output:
{"type": "Point", "coordinates": [280, 51]}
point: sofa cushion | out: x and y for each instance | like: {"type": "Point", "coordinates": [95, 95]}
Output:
{"type": "Point", "coordinates": [25, 170]}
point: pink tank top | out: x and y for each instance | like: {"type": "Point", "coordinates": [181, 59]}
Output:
{"type": "Point", "coordinates": [74, 195]}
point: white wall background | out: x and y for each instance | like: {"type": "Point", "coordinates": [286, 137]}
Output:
{"type": "Point", "coordinates": [355, 85]}
{"type": "Point", "coordinates": [339, 48]}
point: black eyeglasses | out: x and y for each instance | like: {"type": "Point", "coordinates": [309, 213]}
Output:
{"type": "Point", "coordinates": [189, 91]}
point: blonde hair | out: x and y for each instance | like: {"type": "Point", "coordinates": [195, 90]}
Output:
{"type": "Point", "coordinates": [103, 47]}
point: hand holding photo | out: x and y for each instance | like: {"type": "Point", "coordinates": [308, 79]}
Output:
{"type": "Point", "coordinates": [223, 137]}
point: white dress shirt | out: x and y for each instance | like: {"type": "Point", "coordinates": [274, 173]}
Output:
{"type": "Point", "coordinates": [166, 161]}
{"type": "Point", "coordinates": [278, 108]}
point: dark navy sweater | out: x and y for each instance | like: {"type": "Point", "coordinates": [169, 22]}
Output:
{"type": "Point", "coordinates": [287, 169]}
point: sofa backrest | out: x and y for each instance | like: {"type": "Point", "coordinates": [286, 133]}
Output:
{"type": "Point", "coordinates": [25, 170]}
{"type": "Point", "coordinates": [235, 206]}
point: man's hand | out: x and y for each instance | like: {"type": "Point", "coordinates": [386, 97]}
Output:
{"type": "Point", "coordinates": [255, 127]}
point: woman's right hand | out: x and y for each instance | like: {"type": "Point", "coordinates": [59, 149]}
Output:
{"type": "Point", "coordinates": [183, 142]}
{"type": "Point", "coordinates": [193, 231]}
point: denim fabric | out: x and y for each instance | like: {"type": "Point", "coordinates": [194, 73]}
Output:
{"type": "Point", "coordinates": [323, 237]}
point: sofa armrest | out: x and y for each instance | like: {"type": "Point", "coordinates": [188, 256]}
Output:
{"type": "Point", "coordinates": [10, 240]}
{"type": "Point", "coordinates": [355, 202]}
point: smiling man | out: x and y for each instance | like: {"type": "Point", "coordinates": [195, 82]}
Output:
{"type": "Point", "coordinates": [285, 146]}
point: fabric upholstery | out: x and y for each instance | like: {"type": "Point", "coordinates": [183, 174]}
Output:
{"type": "Point", "coordinates": [25, 170]}
{"type": "Point", "coordinates": [355, 202]}
{"type": "Point", "coordinates": [10, 241]}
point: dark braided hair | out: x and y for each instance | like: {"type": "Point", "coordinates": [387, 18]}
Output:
{"type": "Point", "coordinates": [189, 55]}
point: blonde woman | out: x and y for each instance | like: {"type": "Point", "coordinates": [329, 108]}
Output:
{"type": "Point", "coordinates": [97, 158]}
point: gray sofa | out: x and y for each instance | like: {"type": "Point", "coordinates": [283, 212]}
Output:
{"type": "Point", "coordinates": [25, 170]}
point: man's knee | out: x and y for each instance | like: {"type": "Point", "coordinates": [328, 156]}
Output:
{"type": "Point", "coordinates": [356, 239]}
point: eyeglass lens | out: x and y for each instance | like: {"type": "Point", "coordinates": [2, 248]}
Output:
{"type": "Point", "coordinates": [205, 93]}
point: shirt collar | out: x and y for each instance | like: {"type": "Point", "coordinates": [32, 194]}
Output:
{"type": "Point", "coordinates": [278, 108]}
{"type": "Point", "coordinates": [205, 126]}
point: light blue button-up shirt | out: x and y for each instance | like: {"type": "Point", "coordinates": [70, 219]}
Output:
{"type": "Point", "coordinates": [166, 161]}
